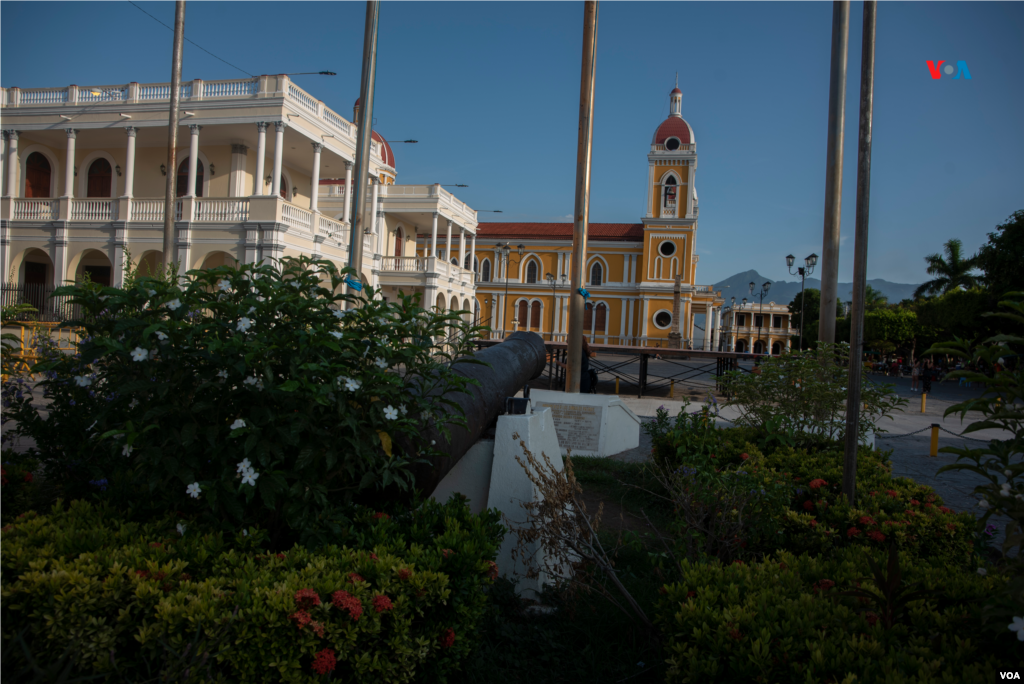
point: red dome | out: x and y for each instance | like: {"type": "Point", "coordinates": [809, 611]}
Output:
{"type": "Point", "coordinates": [675, 91]}
{"type": "Point", "coordinates": [674, 127]}
{"type": "Point", "coordinates": [385, 150]}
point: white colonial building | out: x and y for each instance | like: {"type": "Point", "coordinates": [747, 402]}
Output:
{"type": "Point", "coordinates": [84, 173]}
{"type": "Point", "coordinates": [755, 327]}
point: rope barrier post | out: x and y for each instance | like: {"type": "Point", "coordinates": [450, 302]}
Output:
{"type": "Point", "coordinates": [672, 389]}
{"type": "Point", "coordinates": [935, 440]}
{"type": "Point", "coordinates": [616, 385]}
{"type": "Point", "coordinates": [924, 401]}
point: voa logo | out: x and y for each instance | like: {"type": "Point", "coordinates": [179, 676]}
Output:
{"type": "Point", "coordinates": [938, 71]}
{"type": "Point", "coordinates": [1010, 675]}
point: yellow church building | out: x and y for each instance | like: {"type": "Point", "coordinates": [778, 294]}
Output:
{"type": "Point", "coordinates": [630, 268]}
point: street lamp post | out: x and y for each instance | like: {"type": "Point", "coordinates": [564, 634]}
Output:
{"type": "Point", "coordinates": [732, 325]}
{"type": "Point", "coordinates": [760, 310]}
{"type": "Point", "coordinates": [505, 250]}
{"type": "Point", "coordinates": [807, 269]}
{"type": "Point", "coordinates": [553, 281]}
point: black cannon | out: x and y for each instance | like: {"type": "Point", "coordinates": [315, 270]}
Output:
{"type": "Point", "coordinates": [510, 365]}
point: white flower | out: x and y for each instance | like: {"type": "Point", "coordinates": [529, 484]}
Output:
{"type": "Point", "coordinates": [257, 382]}
{"type": "Point", "coordinates": [249, 477]}
{"type": "Point", "coordinates": [350, 384]}
{"type": "Point", "coordinates": [224, 286]}
{"type": "Point", "coordinates": [984, 504]}
{"type": "Point", "coordinates": [243, 465]}
{"type": "Point", "coordinates": [83, 380]}
{"type": "Point", "coordinates": [1007, 473]}
{"type": "Point", "coordinates": [245, 533]}
{"type": "Point", "coordinates": [133, 403]}
{"type": "Point", "coordinates": [181, 529]}
{"type": "Point", "coordinates": [174, 304]}
{"type": "Point", "coordinates": [251, 309]}
{"type": "Point", "coordinates": [243, 324]}
{"type": "Point", "coordinates": [337, 334]}
{"type": "Point", "coordinates": [340, 313]}
{"type": "Point", "coordinates": [432, 442]}
{"type": "Point", "coordinates": [405, 411]}
{"type": "Point", "coordinates": [160, 335]}
{"type": "Point", "coordinates": [140, 354]}
{"type": "Point", "coordinates": [127, 450]}
{"type": "Point", "coordinates": [152, 293]}
{"type": "Point", "coordinates": [295, 283]}
{"type": "Point", "coordinates": [1018, 626]}
{"type": "Point", "coordinates": [982, 571]}
{"type": "Point", "coordinates": [1005, 489]}
{"type": "Point", "coordinates": [238, 425]}
{"type": "Point", "coordinates": [193, 490]}
{"type": "Point", "coordinates": [390, 413]}
{"type": "Point", "coordinates": [222, 374]}
{"type": "Point", "coordinates": [381, 363]}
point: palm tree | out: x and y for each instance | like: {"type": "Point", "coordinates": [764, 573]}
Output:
{"type": "Point", "coordinates": [873, 299]}
{"type": "Point", "coordinates": [953, 271]}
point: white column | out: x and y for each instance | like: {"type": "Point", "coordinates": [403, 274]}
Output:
{"type": "Point", "coordinates": [69, 167]}
{"type": "Point", "coordinates": [315, 190]}
{"type": "Point", "coordinates": [373, 209]}
{"type": "Point", "coordinates": [433, 237]}
{"type": "Point", "coordinates": [236, 181]}
{"type": "Point", "coordinates": [629, 320]}
{"type": "Point", "coordinates": [12, 165]}
{"type": "Point", "coordinates": [275, 182]}
{"type": "Point", "coordinates": [708, 321]}
{"type": "Point", "coordinates": [129, 165]}
{"type": "Point", "coordinates": [642, 328]}
{"type": "Point", "coordinates": [689, 191]}
{"type": "Point", "coordinates": [349, 195]}
{"type": "Point", "coordinates": [3, 162]}
{"type": "Point", "coordinates": [622, 321]}
{"type": "Point", "coordinates": [382, 227]}
{"type": "Point", "coordinates": [261, 157]}
{"type": "Point", "coordinates": [462, 248]}
{"type": "Point", "coordinates": [472, 255]}
{"type": "Point", "coordinates": [193, 159]}
{"type": "Point", "coordinates": [448, 244]}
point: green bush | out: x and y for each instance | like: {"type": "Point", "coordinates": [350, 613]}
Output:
{"type": "Point", "coordinates": [134, 601]}
{"type": "Point", "coordinates": [788, 619]}
{"type": "Point", "coordinates": [248, 395]}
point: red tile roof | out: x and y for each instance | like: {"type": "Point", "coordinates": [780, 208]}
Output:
{"type": "Point", "coordinates": [673, 126]}
{"type": "Point", "coordinates": [624, 232]}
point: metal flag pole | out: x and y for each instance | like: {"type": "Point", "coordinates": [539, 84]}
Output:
{"type": "Point", "coordinates": [170, 251]}
{"type": "Point", "coordinates": [860, 251]}
{"type": "Point", "coordinates": [363, 144]}
{"type": "Point", "coordinates": [574, 362]}
{"type": "Point", "coordinates": [834, 171]}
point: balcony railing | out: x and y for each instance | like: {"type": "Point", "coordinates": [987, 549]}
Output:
{"type": "Point", "coordinates": [93, 210]}
{"type": "Point", "coordinates": [297, 218]}
{"type": "Point", "coordinates": [222, 210]}
{"type": "Point", "coordinates": [404, 264]}
{"type": "Point", "coordinates": [35, 209]}
{"type": "Point", "coordinates": [332, 229]}
{"type": "Point", "coordinates": [147, 210]}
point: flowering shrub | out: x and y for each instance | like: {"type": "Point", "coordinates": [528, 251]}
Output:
{"type": "Point", "coordinates": [118, 594]}
{"type": "Point", "coordinates": [245, 395]}
{"type": "Point", "coordinates": [787, 619]}
{"type": "Point", "coordinates": [798, 396]}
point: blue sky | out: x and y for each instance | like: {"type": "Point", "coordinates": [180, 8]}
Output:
{"type": "Point", "coordinates": [491, 91]}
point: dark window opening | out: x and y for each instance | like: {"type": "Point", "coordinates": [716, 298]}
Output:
{"type": "Point", "coordinates": [100, 175]}
{"type": "Point", "coordinates": [37, 176]}
{"type": "Point", "coordinates": [182, 187]}
{"type": "Point", "coordinates": [98, 274]}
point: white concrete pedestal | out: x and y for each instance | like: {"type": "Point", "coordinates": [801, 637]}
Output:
{"type": "Point", "coordinates": [590, 424]}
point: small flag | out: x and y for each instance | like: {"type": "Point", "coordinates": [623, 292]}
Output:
{"type": "Point", "coordinates": [586, 295]}
{"type": "Point", "coordinates": [354, 284]}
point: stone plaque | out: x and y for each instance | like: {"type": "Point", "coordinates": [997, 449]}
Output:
{"type": "Point", "coordinates": [578, 426]}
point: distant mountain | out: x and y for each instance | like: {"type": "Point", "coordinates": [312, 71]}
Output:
{"type": "Point", "coordinates": [783, 291]}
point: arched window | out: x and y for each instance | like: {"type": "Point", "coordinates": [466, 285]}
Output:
{"type": "Point", "coordinates": [199, 182]}
{"type": "Point", "coordinates": [588, 316]}
{"type": "Point", "coordinates": [531, 272]}
{"type": "Point", "coordinates": [37, 176]}
{"type": "Point", "coordinates": [398, 242]}
{"type": "Point", "coordinates": [601, 313]}
{"type": "Point", "coordinates": [596, 273]}
{"type": "Point", "coordinates": [669, 192]}
{"type": "Point", "coordinates": [522, 314]}
{"type": "Point", "coordinates": [535, 316]}
{"type": "Point", "coordinates": [485, 271]}
{"type": "Point", "coordinates": [183, 178]}
{"type": "Point", "coordinates": [99, 178]}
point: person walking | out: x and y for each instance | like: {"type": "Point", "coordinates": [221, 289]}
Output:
{"type": "Point", "coordinates": [915, 375]}
{"type": "Point", "coordinates": [926, 377]}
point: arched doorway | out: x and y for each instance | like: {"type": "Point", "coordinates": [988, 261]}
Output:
{"type": "Point", "coordinates": [37, 176]}
{"type": "Point", "coordinates": [182, 186]}
{"type": "Point", "coordinates": [399, 239]}
{"type": "Point", "coordinates": [95, 267]}
{"type": "Point", "coordinates": [150, 263]}
{"type": "Point", "coordinates": [523, 310]}
{"type": "Point", "coordinates": [741, 346]}
{"type": "Point", "coordinates": [776, 348]}
{"type": "Point", "coordinates": [100, 179]}
{"type": "Point", "coordinates": [215, 259]}
{"type": "Point", "coordinates": [759, 347]}
{"type": "Point", "coordinates": [535, 316]}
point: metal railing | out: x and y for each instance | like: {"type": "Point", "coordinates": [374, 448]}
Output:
{"type": "Point", "coordinates": [35, 209]}
{"type": "Point", "coordinates": [40, 297]}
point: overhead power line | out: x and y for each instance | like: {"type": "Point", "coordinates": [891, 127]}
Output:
{"type": "Point", "coordinates": [191, 41]}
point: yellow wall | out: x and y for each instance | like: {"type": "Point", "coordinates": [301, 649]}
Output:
{"type": "Point", "coordinates": [681, 174]}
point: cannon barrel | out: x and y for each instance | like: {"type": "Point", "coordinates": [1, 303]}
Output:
{"type": "Point", "coordinates": [510, 365]}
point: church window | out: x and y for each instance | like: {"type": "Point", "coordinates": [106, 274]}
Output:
{"type": "Point", "coordinates": [596, 274]}
{"type": "Point", "coordinates": [37, 176]}
{"type": "Point", "coordinates": [535, 315]}
{"type": "Point", "coordinates": [667, 248]}
{"type": "Point", "coordinates": [522, 314]}
{"type": "Point", "coordinates": [663, 319]}
{"type": "Point", "coordinates": [776, 321]}
{"type": "Point", "coordinates": [531, 272]}
{"type": "Point", "coordinates": [670, 190]}
{"type": "Point", "coordinates": [182, 184]}
{"type": "Point", "coordinates": [485, 271]}
{"type": "Point", "coordinates": [741, 320]}
{"type": "Point", "coordinates": [100, 175]}
{"type": "Point", "coordinates": [672, 144]}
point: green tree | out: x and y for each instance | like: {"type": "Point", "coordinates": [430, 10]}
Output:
{"type": "Point", "coordinates": [1001, 257]}
{"type": "Point", "coordinates": [873, 299]}
{"type": "Point", "coordinates": [952, 271]}
{"type": "Point", "coordinates": [957, 314]}
{"type": "Point", "coordinates": [812, 305]}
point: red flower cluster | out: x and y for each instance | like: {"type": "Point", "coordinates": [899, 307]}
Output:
{"type": "Point", "coordinates": [280, 556]}
{"type": "Point", "coordinates": [355, 577]}
{"type": "Point", "coordinates": [852, 532]}
{"type": "Point", "coordinates": [404, 574]}
{"type": "Point", "coordinates": [447, 638]}
{"type": "Point", "coordinates": [346, 601]}
{"type": "Point", "coordinates": [28, 477]}
{"type": "Point", "coordinates": [928, 505]}
{"type": "Point", "coordinates": [930, 498]}
{"type": "Point", "coordinates": [143, 574]}
{"type": "Point", "coordinates": [445, 553]}
{"type": "Point", "coordinates": [872, 493]}
{"type": "Point", "coordinates": [872, 618]}
{"type": "Point", "coordinates": [744, 456]}
{"type": "Point", "coordinates": [324, 661]}
{"type": "Point", "coordinates": [301, 618]}
{"type": "Point", "coordinates": [185, 577]}
{"type": "Point", "coordinates": [893, 493]}
{"type": "Point", "coordinates": [493, 571]}
{"type": "Point", "coordinates": [306, 598]}
{"type": "Point", "coordinates": [808, 505]}
{"type": "Point", "coordinates": [866, 520]}
{"type": "Point", "coordinates": [735, 634]}
{"type": "Point", "coordinates": [951, 527]}
{"type": "Point", "coordinates": [876, 536]}
{"type": "Point", "coordinates": [318, 628]}
{"type": "Point", "coordinates": [373, 557]}
{"type": "Point", "coordinates": [382, 603]}
{"type": "Point", "coordinates": [915, 502]}
{"type": "Point", "coordinates": [691, 594]}
{"type": "Point", "coordinates": [823, 585]}
{"type": "Point", "coordinates": [814, 523]}
{"type": "Point", "coordinates": [378, 516]}
{"type": "Point", "coordinates": [816, 483]}
{"type": "Point", "coordinates": [945, 509]}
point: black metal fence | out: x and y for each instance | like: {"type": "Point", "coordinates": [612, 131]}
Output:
{"type": "Point", "coordinates": [40, 297]}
